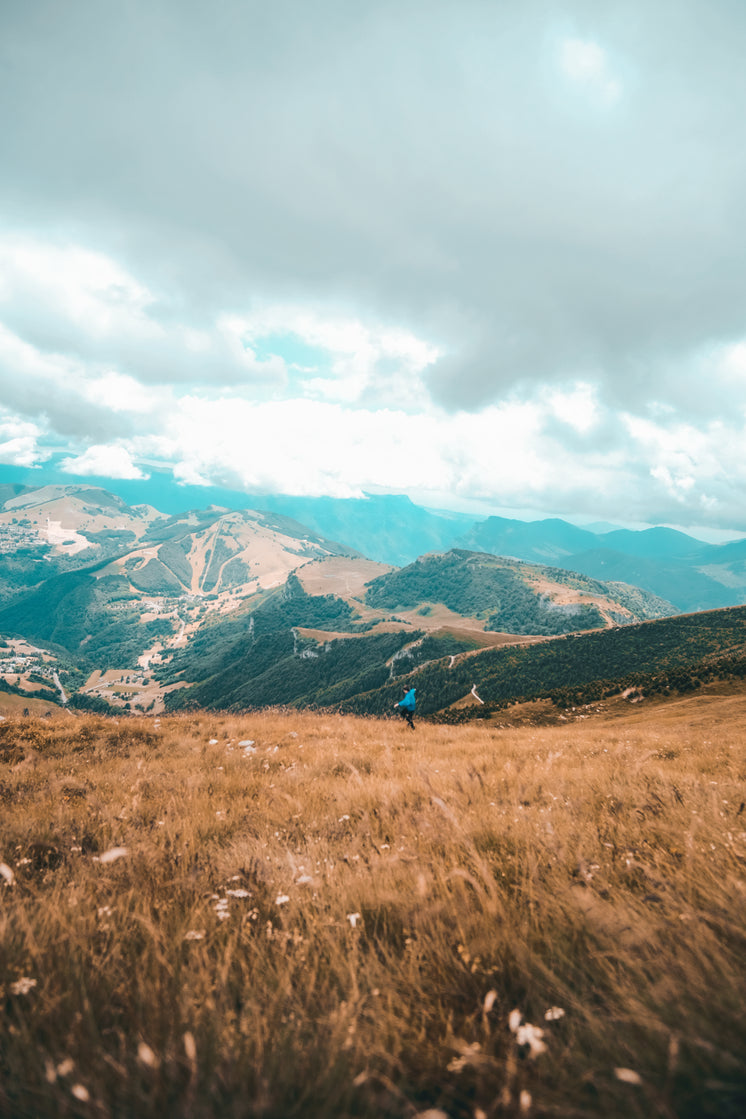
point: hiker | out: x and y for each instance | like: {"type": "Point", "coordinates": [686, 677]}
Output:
{"type": "Point", "coordinates": [405, 706]}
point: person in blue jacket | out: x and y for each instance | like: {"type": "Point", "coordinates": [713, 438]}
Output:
{"type": "Point", "coordinates": [406, 706]}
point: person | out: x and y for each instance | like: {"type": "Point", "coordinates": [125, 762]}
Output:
{"type": "Point", "coordinates": [406, 706]}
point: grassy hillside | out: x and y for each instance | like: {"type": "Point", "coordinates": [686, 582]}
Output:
{"type": "Point", "coordinates": [304, 915]}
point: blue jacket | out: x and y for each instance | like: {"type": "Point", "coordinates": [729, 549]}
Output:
{"type": "Point", "coordinates": [408, 702]}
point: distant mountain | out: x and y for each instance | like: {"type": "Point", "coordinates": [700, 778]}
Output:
{"type": "Point", "coordinates": [652, 543]}
{"type": "Point", "coordinates": [667, 563]}
{"type": "Point", "coordinates": [512, 596]}
{"type": "Point", "coordinates": [688, 587]}
{"type": "Point", "coordinates": [84, 572]}
{"type": "Point", "coordinates": [544, 541]}
{"type": "Point", "coordinates": [387, 528]}
{"type": "Point", "coordinates": [392, 529]}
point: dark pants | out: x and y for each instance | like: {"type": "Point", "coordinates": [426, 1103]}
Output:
{"type": "Point", "coordinates": [405, 714]}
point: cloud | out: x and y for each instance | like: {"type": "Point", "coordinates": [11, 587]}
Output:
{"type": "Point", "coordinates": [110, 461]}
{"type": "Point", "coordinates": [586, 63]}
{"type": "Point", "coordinates": [355, 361]}
{"type": "Point", "coordinates": [19, 441]}
{"type": "Point", "coordinates": [508, 241]}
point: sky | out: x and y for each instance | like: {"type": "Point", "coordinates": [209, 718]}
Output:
{"type": "Point", "coordinates": [477, 251]}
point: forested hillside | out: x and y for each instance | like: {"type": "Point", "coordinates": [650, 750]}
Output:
{"type": "Point", "coordinates": [512, 597]}
{"type": "Point", "coordinates": [671, 654]}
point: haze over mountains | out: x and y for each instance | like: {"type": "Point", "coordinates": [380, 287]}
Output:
{"type": "Point", "coordinates": [302, 602]}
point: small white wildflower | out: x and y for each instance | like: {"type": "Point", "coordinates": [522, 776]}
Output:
{"type": "Point", "coordinates": [111, 855]}
{"type": "Point", "coordinates": [525, 1101]}
{"type": "Point", "coordinates": [489, 1001]}
{"type": "Point", "coordinates": [342, 818]}
{"type": "Point", "coordinates": [628, 1075]}
{"type": "Point", "coordinates": [76, 850]}
{"type": "Point", "coordinates": [282, 899]}
{"type": "Point", "coordinates": [25, 862]}
{"type": "Point", "coordinates": [304, 880]}
{"type": "Point", "coordinates": [64, 1068]}
{"type": "Point", "coordinates": [22, 986]}
{"type": "Point", "coordinates": [240, 893]}
{"type": "Point", "coordinates": [246, 742]}
{"type": "Point", "coordinates": [146, 1056]}
{"type": "Point", "coordinates": [213, 742]}
{"type": "Point", "coordinates": [353, 918]}
{"type": "Point", "coordinates": [221, 909]}
{"type": "Point", "coordinates": [81, 1093]}
{"type": "Point", "coordinates": [220, 813]}
{"type": "Point", "coordinates": [190, 1046]}
{"type": "Point", "coordinates": [514, 1020]}
{"type": "Point", "coordinates": [554, 1014]}
{"type": "Point", "coordinates": [195, 934]}
{"type": "Point", "coordinates": [104, 911]}
{"type": "Point", "coordinates": [7, 874]}
{"type": "Point", "coordinates": [531, 1036]}
{"type": "Point", "coordinates": [470, 1055]}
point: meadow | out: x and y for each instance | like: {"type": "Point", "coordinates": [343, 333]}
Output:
{"type": "Point", "coordinates": [294, 914]}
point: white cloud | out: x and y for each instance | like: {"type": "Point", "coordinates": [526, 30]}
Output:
{"type": "Point", "coordinates": [586, 64]}
{"type": "Point", "coordinates": [693, 465]}
{"type": "Point", "coordinates": [21, 360]}
{"type": "Point", "coordinates": [318, 447]}
{"type": "Point", "coordinates": [577, 406]}
{"type": "Point", "coordinates": [109, 461]}
{"type": "Point", "coordinates": [19, 441]}
{"type": "Point", "coordinates": [88, 288]}
{"type": "Point", "coordinates": [121, 393]}
{"type": "Point", "coordinates": [360, 361]}
{"type": "Point", "coordinates": [303, 446]}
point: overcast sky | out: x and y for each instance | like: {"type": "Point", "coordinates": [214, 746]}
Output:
{"type": "Point", "coordinates": [483, 249]}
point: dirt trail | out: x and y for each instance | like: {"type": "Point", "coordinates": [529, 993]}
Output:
{"type": "Point", "coordinates": [197, 557]}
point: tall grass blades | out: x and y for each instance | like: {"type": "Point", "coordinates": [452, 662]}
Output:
{"type": "Point", "coordinates": [293, 914]}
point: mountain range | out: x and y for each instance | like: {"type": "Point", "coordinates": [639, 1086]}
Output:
{"type": "Point", "coordinates": [244, 607]}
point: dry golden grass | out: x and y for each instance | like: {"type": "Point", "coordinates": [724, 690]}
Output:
{"type": "Point", "coordinates": [348, 919]}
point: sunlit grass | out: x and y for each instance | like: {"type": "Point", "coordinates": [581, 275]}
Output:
{"type": "Point", "coordinates": [285, 914]}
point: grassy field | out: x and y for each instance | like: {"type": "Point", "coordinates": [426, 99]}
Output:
{"type": "Point", "coordinates": [291, 914]}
